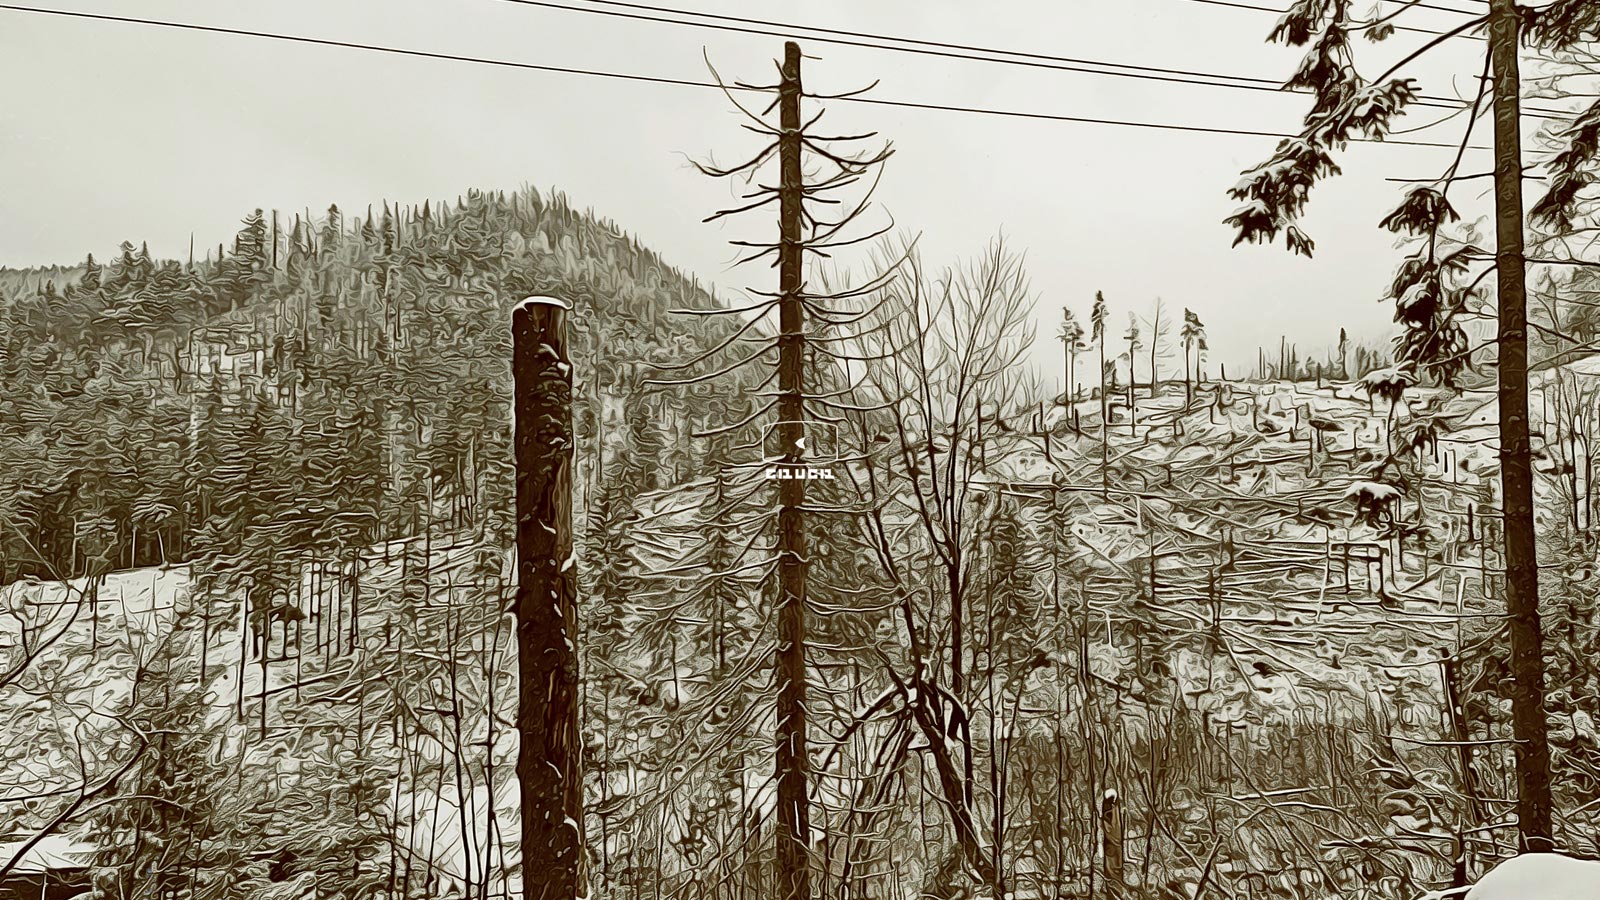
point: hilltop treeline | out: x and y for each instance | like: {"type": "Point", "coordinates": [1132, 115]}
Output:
{"type": "Point", "coordinates": [313, 383]}
{"type": "Point", "coordinates": [314, 420]}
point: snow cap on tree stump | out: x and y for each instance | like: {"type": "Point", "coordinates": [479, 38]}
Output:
{"type": "Point", "coordinates": [541, 300]}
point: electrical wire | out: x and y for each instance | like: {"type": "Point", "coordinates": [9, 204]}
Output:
{"type": "Point", "coordinates": [1236, 4]}
{"type": "Point", "coordinates": [681, 82]}
{"type": "Point", "coordinates": [941, 49]}
{"type": "Point", "coordinates": [864, 35]}
{"type": "Point", "coordinates": [1199, 129]}
{"type": "Point", "coordinates": [1417, 4]}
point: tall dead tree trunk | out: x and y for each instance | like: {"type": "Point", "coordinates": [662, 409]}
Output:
{"type": "Point", "coordinates": [549, 755]}
{"type": "Point", "coordinates": [1516, 464]}
{"type": "Point", "coordinates": [1105, 425]}
{"type": "Point", "coordinates": [1112, 856]}
{"type": "Point", "coordinates": [799, 233]}
{"type": "Point", "coordinates": [1188, 383]}
{"type": "Point", "coordinates": [793, 813]}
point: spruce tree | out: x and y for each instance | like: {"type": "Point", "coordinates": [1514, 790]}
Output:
{"type": "Point", "coordinates": [1071, 337]}
{"type": "Point", "coordinates": [1435, 286]}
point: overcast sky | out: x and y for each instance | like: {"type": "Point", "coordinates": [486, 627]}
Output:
{"type": "Point", "coordinates": [116, 131]}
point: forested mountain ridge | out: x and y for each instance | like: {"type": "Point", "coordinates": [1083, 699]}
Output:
{"type": "Point", "coordinates": [374, 348]}
{"type": "Point", "coordinates": [308, 430]}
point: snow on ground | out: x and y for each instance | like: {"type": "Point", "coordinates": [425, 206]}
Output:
{"type": "Point", "coordinates": [68, 662]}
{"type": "Point", "coordinates": [463, 857]}
{"type": "Point", "coordinates": [83, 672]}
{"type": "Point", "coordinates": [52, 852]}
{"type": "Point", "coordinates": [1239, 496]}
{"type": "Point", "coordinates": [1540, 876]}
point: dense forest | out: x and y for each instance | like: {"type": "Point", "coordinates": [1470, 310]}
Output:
{"type": "Point", "coordinates": [304, 435]}
{"type": "Point", "coordinates": [351, 374]}
{"type": "Point", "coordinates": [256, 532]}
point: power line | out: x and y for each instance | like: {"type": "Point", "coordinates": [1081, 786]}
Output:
{"type": "Point", "coordinates": [1415, 4]}
{"type": "Point", "coordinates": [596, 73]}
{"type": "Point", "coordinates": [621, 3]}
{"type": "Point", "coordinates": [879, 37]}
{"type": "Point", "coordinates": [946, 50]}
{"type": "Point", "coordinates": [352, 45]}
{"type": "Point", "coordinates": [1200, 129]}
{"type": "Point", "coordinates": [641, 6]}
{"type": "Point", "coordinates": [1236, 4]}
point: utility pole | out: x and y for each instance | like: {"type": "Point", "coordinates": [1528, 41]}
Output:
{"type": "Point", "coordinates": [549, 755]}
{"type": "Point", "coordinates": [792, 762]}
{"type": "Point", "coordinates": [1532, 749]}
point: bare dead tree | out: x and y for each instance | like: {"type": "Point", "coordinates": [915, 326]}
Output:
{"type": "Point", "coordinates": [942, 378]}
{"type": "Point", "coordinates": [812, 171]}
